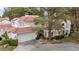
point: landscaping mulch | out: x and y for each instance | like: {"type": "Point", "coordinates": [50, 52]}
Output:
{"type": "Point", "coordinates": [50, 41]}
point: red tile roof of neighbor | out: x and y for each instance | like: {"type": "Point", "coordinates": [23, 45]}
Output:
{"type": "Point", "coordinates": [27, 18]}
{"type": "Point", "coordinates": [4, 25]}
{"type": "Point", "coordinates": [9, 28]}
{"type": "Point", "coordinates": [24, 30]}
{"type": "Point", "coordinates": [19, 30]}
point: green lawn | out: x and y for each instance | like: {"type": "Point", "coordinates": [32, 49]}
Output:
{"type": "Point", "coordinates": [73, 38]}
{"type": "Point", "coordinates": [9, 48]}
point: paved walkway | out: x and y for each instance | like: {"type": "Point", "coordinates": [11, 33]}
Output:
{"type": "Point", "coordinates": [36, 46]}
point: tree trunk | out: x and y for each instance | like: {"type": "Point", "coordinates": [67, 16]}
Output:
{"type": "Point", "coordinates": [49, 31]}
{"type": "Point", "coordinates": [49, 24]}
{"type": "Point", "coordinates": [49, 28]}
{"type": "Point", "coordinates": [75, 18]}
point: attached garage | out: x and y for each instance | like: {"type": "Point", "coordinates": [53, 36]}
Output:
{"type": "Point", "coordinates": [26, 36]}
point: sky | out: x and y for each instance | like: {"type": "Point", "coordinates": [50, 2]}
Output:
{"type": "Point", "coordinates": [1, 11]}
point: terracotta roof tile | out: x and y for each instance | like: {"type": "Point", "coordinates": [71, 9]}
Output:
{"type": "Point", "coordinates": [28, 18]}
{"type": "Point", "coordinates": [3, 26]}
{"type": "Point", "coordinates": [9, 28]}
{"type": "Point", "coordinates": [24, 30]}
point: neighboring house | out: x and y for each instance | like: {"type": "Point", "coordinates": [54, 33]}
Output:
{"type": "Point", "coordinates": [57, 29]}
{"type": "Point", "coordinates": [24, 21]}
{"type": "Point", "coordinates": [22, 26]}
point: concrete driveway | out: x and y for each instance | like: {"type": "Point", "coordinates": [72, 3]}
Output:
{"type": "Point", "coordinates": [36, 46]}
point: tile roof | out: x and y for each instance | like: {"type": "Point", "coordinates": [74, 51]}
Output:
{"type": "Point", "coordinates": [9, 28]}
{"type": "Point", "coordinates": [28, 18]}
{"type": "Point", "coordinates": [16, 30]}
{"type": "Point", "coordinates": [24, 30]}
{"type": "Point", "coordinates": [4, 25]}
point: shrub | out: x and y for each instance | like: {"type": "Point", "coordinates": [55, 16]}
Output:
{"type": "Point", "coordinates": [6, 40]}
{"type": "Point", "coordinates": [3, 42]}
{"type": "Point", "coordinates": [40, 34]}
{"type": "Point", "coordinates": [61, 36]}
{"type": "Point", "coordinates": [5, 35]}
{"type": "Point", "coordinates": [58, 37]}
{"type": "Point", "coordinates": [0, 38]}
{"type": "Point", "coordinates": [13, 42]}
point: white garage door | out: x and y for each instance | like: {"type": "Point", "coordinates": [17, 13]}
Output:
{"type": "Point", "coordinates": [26, 37]}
